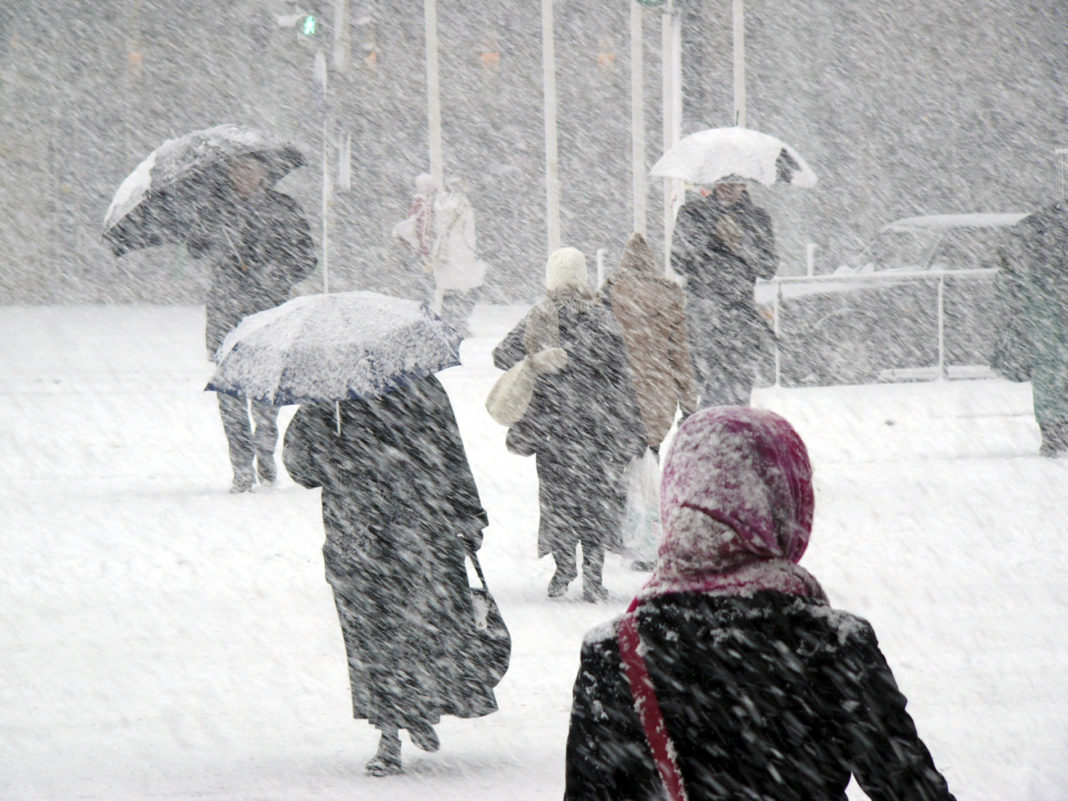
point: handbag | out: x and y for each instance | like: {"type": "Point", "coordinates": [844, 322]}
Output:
{"type": "Point", "coordinates": [493, 643]}
{"type": "Point", "coordinates": [510, 396]}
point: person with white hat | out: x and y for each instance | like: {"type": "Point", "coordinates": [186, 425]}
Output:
{"type": "Point", "coordinates": [583, 423]}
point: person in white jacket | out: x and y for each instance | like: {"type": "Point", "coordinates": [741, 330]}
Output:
{"type": "Point", "coordinates": [458, 272]}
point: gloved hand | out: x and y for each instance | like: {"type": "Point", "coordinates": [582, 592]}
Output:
{"type": "Point", "coordinates": [472, 538]}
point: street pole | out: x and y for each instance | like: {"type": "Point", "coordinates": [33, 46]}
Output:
{"type": "Point", "coordinates": [671, 55]}
{"type": "Point", "coordinates": [322, 89]}
{"type": "Point", "coordinates": [552, 163]}
{"type": "Point", "coordinates": [739, 63]}
{"type": "Point", "coordinates": [637, 119]}
{"type": "Point", "coordinates": [342, 45]}
{"type": "Point", "coordinates": [433, 93]}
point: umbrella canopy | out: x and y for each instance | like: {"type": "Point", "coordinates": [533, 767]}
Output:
{"type": "Point", "coordinates": [319, 348]}
{"type": "Point", "coordinates": [708, 156]}
{"type": "Point", "coordinates": [160, 200]}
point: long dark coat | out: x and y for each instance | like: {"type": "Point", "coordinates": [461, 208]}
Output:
{"type": "Point", "coordinates": [583, 423]}
{"type": "Point", "coordinates": [259, 247]}
{"type": "Point", "coordinates": [722, 250]}
{"type": "Point", "coordinates": [764, 697]}
{"type": "Point", "coordinates": [397, 494]}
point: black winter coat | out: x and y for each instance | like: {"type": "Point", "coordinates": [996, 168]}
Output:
{"type": "Point", "coordinates": [260, 247]}
{"type": "Point", "coordinates": [719, 268]}
{"type": "Point", "coordinates": [769, 698]}
{"type": "Point", "coordinates": [722, 250]}
{"type": "Point", "coordinates": [398, 495]}
{"type": "Point", "coordinates": [583, 423]}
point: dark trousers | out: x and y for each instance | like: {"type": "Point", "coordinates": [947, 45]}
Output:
{"type": "Point", "coordinates": [592, 563]}
{"type": "Point", "coordinates": [248, 438]}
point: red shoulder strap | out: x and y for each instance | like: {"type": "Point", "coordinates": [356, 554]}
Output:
{"type": "Point", "coordinates": [641, 688]}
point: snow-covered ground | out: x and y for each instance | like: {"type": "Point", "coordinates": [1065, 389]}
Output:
{"type": "Point", "coordinates": [162, 639]}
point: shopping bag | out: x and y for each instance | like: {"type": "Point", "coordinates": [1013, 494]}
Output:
{"type": "Point", "coordinates": [641, 513]}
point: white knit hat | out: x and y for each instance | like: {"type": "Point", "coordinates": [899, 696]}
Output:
{"type": "Point", "coordinates": [566, 268]}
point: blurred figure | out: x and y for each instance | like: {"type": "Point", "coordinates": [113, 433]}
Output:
{"type": "Point", "coordinates": [400, 505]}
{"type": "Point", "coordinates": [417, 229]}
{"type": "Point", "coordinates": [749, 684]}
{"type": "Point", "coordinates": [458, 272]}
{"type": "Point", "coordinates": [650, 310]}
{"type": "Point", "coordinates": [260, 245]}
{"type": "Point", "coordinates": [1037, 272]}
{"type": "Point", "coordinates": [722, 244]}
{"type": "Point", "coordinates": [583, 423]}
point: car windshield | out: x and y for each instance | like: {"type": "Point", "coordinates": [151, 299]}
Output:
{"type": "Point", "coordinates": [896, 250]}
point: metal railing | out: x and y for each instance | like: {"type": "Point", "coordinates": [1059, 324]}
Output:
{"type": "Point", "coordinates": [865, 279]}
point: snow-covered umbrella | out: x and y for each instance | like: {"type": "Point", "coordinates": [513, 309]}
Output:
{"type": "Point", "coordinates": [320, 348]}
{"type": "Point", "coordinates": [160, 200]}
{"type": "Point", "coordinates": [708, 156]}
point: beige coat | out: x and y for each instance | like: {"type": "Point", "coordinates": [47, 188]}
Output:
{"type": "Point", "coordinates": [650, 310]}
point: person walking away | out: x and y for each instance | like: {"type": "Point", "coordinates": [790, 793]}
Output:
{"type": "Point", "coordinates": [260, 246]}
{"type": "Point", "coordinates": [416, 230]}
{"type": "Point", "coordinates": [650, 310]}
{"type": "Point", "coordinates": [722, 243]}
{"type": "Point", "coordinates": [1038, 267]}
{"type": "Point", "coordinates": [458, 272]}
{"type": "Point", "coordinates": [731, 676]}
{"type": "Point", "coordinates": [400, 506]}
{"type": "Point", "coordinates": [583, 424]}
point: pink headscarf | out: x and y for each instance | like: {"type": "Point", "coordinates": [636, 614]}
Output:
{"type": "Point", "coordinates": [736, 502]}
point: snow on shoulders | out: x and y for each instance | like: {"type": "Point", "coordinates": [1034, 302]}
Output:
{"type": "Point", "coordinates": [601, 632]}
{"type": "Point", "coordinates": [846, 624]}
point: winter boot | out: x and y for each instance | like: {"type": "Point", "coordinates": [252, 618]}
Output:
{"type": "Point", "coordinates": [1054, 439]}
{"type": "Point", "coordinates": [243, 480]}
{"type": "Point", "coordinates": [387, 762]}
{"type": "Point", "coordinates": [594, 593]}
{"type": "Point", "coordinates": [423, 736]}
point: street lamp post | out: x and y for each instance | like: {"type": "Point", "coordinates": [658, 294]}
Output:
{"type": "Point", "coordinates": [433, 92]}
{"type": "Point", "coordinates": [739, 63]}
{"type": "Point", "coordinates": [552, 162]}
{"type": "Point", "coordinates": [671, 54]}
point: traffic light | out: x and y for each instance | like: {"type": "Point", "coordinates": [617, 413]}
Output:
{"type": "Point", "coordinates": [309, 25]}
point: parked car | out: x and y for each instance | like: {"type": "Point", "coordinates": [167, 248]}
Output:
{"type": "Point", "coordinates": [877, 317]}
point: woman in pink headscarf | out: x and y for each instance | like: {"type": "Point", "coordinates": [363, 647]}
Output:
{"type": "Point", "coordinates": [731, 677]}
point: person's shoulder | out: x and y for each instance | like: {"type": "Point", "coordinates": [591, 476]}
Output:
{"type": "Point", "coordinates": [846, 626]}
{"type": "Point", "coordinates": [602, 634]}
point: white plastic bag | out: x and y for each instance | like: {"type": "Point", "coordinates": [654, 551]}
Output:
{"type": "Point", "coordinates": [641, 514]}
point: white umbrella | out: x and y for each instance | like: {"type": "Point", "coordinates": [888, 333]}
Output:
{"type": "Point", "coordinates": [319, 348]}
{"type": "Point", "coordinates": [708, 156]}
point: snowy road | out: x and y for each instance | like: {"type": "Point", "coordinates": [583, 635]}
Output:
{"type": "Point", "coordinates": [162, 639]}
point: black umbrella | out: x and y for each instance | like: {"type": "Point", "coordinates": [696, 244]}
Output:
{"type": "Point", "coordinates": [160, 201]}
